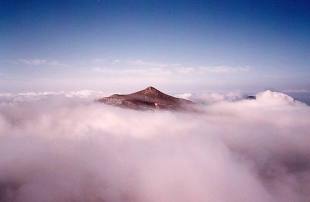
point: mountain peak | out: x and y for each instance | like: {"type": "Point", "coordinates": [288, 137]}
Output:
{"type": "Point", "coordinates": [150, 91]}
{"type": "Point", "coordinates": [150, 88]}
{"type": "Point", "coordinates": [149, 98]}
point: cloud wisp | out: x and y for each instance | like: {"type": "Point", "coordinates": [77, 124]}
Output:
{"type": "Point", "coordinates": [39, 62]}
{"type": "Point", "coordinates": [66, 150]}
{"type": "Point", "coordinates": [102, 65]}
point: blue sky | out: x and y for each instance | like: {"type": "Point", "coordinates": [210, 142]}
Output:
{"type": "Point", "coordinates": [174, 45]}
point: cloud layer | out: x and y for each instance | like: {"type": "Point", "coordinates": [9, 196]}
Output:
{"type": "Point", "coordinates": [71, 150]}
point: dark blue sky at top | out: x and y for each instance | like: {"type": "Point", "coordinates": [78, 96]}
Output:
{"type": "Point", "coordinates": [268, 36]}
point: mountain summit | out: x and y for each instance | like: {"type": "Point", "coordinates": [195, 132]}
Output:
{"type": "Point", "coordinates": [149, 98]}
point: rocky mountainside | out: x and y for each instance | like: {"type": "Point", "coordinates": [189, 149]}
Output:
{"type": "Point", "coordinates": [149, 98]}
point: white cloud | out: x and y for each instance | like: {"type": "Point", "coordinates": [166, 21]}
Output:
{"type": "Point", "coordinates": [63, 150]}
{"type": "Point", "coordinates": [226, 69]}
{"type": "Point", "coordinates": [275, 98]}
{"type": "Point", "coordinates": [79, 95]}
{"type": "Point", "coordinates": [116, 61]}
{"type": "Point", "coordinates": [32, 61]}
{"type": "Point", "coordinates": [212, 97]}
{"type": "Point", "coordinates": [144, 63]}
{"type": "Point", "coordinates": [165, 74]}
{"type": "Point", "coordinates": [296, 91]}
{"type": "Point", "coordinates": [176, 68]}
{"type": "Point", "coordinates": [143, 70]}
{"type": "Point", "coordinates": [39, 62]}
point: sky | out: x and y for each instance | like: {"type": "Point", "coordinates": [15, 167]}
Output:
{"type": "Point", "coordinates": [179, 46]}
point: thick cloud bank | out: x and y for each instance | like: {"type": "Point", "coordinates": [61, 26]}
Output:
{"type": "Point", "coordinates": [69, 150]}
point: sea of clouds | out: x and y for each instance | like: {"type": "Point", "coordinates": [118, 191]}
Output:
{"type": "Point", "coordinates": [64, 147]}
